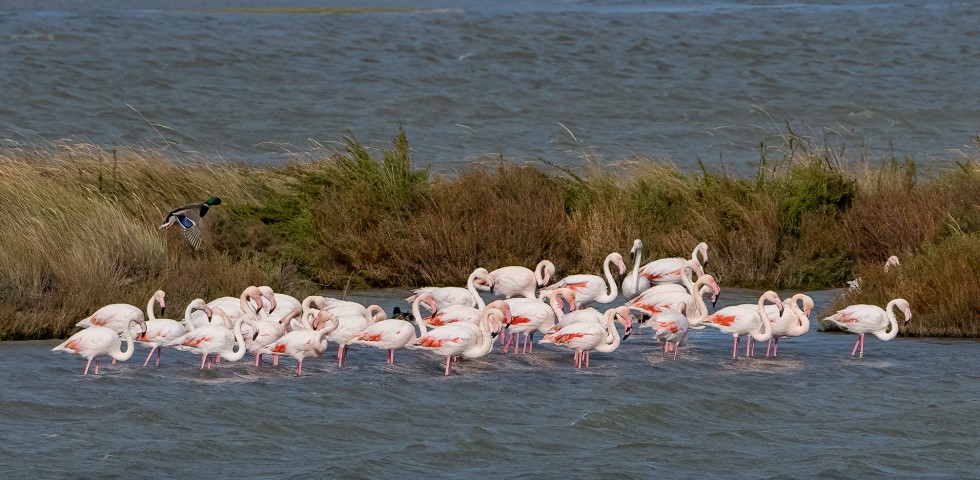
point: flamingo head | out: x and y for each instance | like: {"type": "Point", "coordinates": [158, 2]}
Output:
{"type": "Point", "coordinates": [504, 308]}
{"type": "Point", "coordinates": [547, 270]}
{"type": "Point", "coordinates": [702, 248]}
{"type": "Point", "coordinates": [269, 295]}
{"type": "Point", "coordinates": [158, 297]}
{"type": "Point", "coordinates": [285, 320]}
{"type": "Point", "coordinates": [695, 267]}
{"type": "Point", "coordinates": [807, 305]}
{"type": "Point", "coordinates": [774, 298]}
{"type": "Point", "coordinates": [903, 305]}
{"type": "Point", "coordinates": [637, 247]}
{"type": "Point", "coordinates": [616, 258]}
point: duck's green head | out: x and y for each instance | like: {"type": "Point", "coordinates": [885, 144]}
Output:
{"type": "Point", "coordinates": [213, 201]}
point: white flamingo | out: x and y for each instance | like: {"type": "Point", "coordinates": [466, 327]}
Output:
{"type": "Point", "coordinates": [118, 316]}
{"type": "Point", "coordinates": [468, 296]}
{"type": "Point", "coordinates": [349, 326]}
{"type": "Point", "coordinates": [861, 319]}
{"type": "Point", "coordinates": [584, 337]}
{"type": "Point", "coordinates": [592, 288]}
{"type": "Point", "coordinates": [669, 270]}
{"type": "Point", "coordinates": [268, 330]}
{"type": "Point", "coordinates": [533, 315]}
{"type": "Point", "coordinates": [162, 331]}
{"type": "Point", "coordinates": [461, 338]}
{"type": "Point", "coordinates": [662, 298]}
{"type": "Point", "coordinates": [98, 340]}
{"type": "Point", "coordinates": [517, 280]}
{"type": "Point", "coordinates": [393, 334]}
{"type": "Point", "coordinates": [232, 307]}
{"type": "Point", "coordinates": [300, 344]}
{"type": "Point", "coordinates": [793, 322]}
{"type": "Point", "coordinates": [634, 283]}
{"type": "Point", "coordinates": [215, 340]}
{"type": "Point", "coordinates": [671, 328]}
{"type": "Point", "coordinates": [745, 319]}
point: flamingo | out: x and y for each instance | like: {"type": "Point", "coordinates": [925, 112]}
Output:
{"type": "Point", "coordinates": [861, 319]}
{"type": "Point", "coordinates": [232, 307]}
{"type": "Point", "coordinates": [634, 283]}
{"type": "Point", "coordinates": [747, 319]}
{"type": "Point", "coordinates": [517, 280]}
{"type": "Point", "coordinates": [268, 330]}
{"type": "Point", "coordinates": [583, 337]}
{"type": "Point", "coordinates": [349, 326]}
{"type": "Point", "coordinates": [117, 316]}
{"type": "Point", "coordinates": [661, 298]}
{"type": "Point", "coordinates": [460, 313]}
{"type": "Point", "coordinates": [468, 296]}
{"type": "Point", "coordinates": [530, 315]}
{"type": "Point", "coordinates": [794, 322]}
{"type": "Point", "coordinates": [285, 303]}
{"type": "Point", "coordinates": [671, 328]}
{"type": "Point", "coordinates": [460, 338]}
{"type": "Point", "coordinates": [98, 340]}
{"type": "Point", "coordinates": [393, 334]}
{"type": "Point", "coordinates": [300, 344]}
{"type": "Point", "coordinates": [669, 270]}
{"type": "Point", "coordinates": [214, 339]}
{"type": "Point", "coordinates": [162, 331]}
{"type": "Point", "coordinates": [592, 288]}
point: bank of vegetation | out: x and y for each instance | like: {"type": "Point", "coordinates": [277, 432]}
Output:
{"type": "Point", "coordinates": [79, 225]}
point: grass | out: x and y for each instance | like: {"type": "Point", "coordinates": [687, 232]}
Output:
{"type": "Point", "coordinates": [81, 228]}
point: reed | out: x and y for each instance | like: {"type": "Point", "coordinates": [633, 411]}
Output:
{"type": "Point", "coordinates": [80, 224]}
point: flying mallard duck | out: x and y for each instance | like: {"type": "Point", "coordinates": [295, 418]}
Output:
{"type": "Point", "coordinates": [189, 217]}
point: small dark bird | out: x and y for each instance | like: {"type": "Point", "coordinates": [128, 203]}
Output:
{"type": "Point", "coordinates": [189, 217]}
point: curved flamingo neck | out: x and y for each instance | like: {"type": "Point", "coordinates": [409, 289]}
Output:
{"type": "Point", "coordinates": [150, 314]}
{"type": "Point", "coordinates": [542, 273]}
{"type": "Point", "coordinates": [471, 287]}
{"type": "Point", "coordinates": [612, 339]}
{"type": "Point", "coordinates": [766, 324]}
{"type": "Point", "coordinates": [892, 322]}
{"type": "Point", "coordinates": [803, 319]}
{"type": "Point", "coordinates": [235, 355]}
{"type": "Point", "coordinates": [417, 315]}
{"type": "Point", "coordinates": [613, 289]}
{"type": "Point", "coordinates": [117, 352]}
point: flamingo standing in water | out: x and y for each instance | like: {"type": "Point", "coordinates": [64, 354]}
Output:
{"type": "Point", "coordinates": [118, 316]}
{"type": "Point", "coordinates": [97, 340]}
{"type": "Point", "coordinates": [669, 270]}
{"type": "Point", "coordinates": [232, 307]}
{"type": "Point", "coordinates": [350, 325]}
{"type": "Point", "coordinates": [300, 344]}
{"type": "Point", "coordinates": [468, 296]}
{"type": "Point", "coordinates": [634, 283]}
{"type": "Point", "coordinates": [215, 340]}
{"type": "Point", "coordinates": [531, 315]}
{"type": "Point", "coordinates": [592, 288]}
{"type": "Point", "coordinates": [861, 319]}
{"type": "Point", "coordinates": [671, 328]}
{"type": "Point", "coordinates": [663, 298]}
{"type": "Point", "coordinates": [269, 330]}
{"type": "Point", "coordinates": [162, 331]}
{"type": "Point", "coordinates": [745, 319]}
{"type": "Point", "coordinates": [583, 337]}
{"type": "Point", "coordinates": [393, 334]}
{"type": "Point", "coordinates": [516, 280]}
{"type": "Point", "coordinates": [461, 338]}
{"type": "Point", "coordinates": [793, 322]}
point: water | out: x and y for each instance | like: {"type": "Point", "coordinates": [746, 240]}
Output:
{"type": "Point", "coordinates": [906, 410]}
{"type": "Point", "coordinates": [468, 80]}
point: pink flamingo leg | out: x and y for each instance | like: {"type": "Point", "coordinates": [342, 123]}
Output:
{"type": "Point", "coordinates": [530, 348]}
{"type": "Point", "coordinates": [97, 365]}
{"type": "Point", "coordinates": [587, 355]}
{"type": "Point", "coordinates": [775, 347]}
{"type": "Point", "coordinates": [735, 348]}
{"type": "Point", "coordinates": [674, 346]}
{"type": "Point", "coordinates": [391, 356]}
{"type": "Point", "coordinates": [299, 367]}
{"type": "Point", "coordinates": [258, 359]}
{"type": "Point", "coordinates": [203, 359]}
{"type": "Point", "coordinates": [448, 358]}
{"type": "Point", "coordinates": [862, 346]}
{"type": "Point", "coordinates": [87, 364]}
{"type": "Point", "coordinates": [148, 357]}
{"type": "Point", "coordinates": [576, 359]}
{"type": "Point", "coordinates": [768, 347]}
{"type": "Point", "coordinates": [275, 360]}
{"type": "Point", "coordinates": [858, 342]}
{"type": "Point", "coordinates": [159, 350]}
{"type": "Point", "coordinates": [506, 345]}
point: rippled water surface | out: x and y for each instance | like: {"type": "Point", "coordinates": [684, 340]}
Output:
{"type": "Point", "coordinates": [467, 79]}
{"type": "Point", "coordinates": [907, 409]}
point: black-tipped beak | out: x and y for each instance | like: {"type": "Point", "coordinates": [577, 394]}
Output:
{"type": "Point", "coordinates": [163, 311]}
{"type": "Point", "coordinates": [494, 334]}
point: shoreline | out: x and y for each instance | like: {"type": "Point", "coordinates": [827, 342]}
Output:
{"type": "Point", "coordinates": [362, 217]}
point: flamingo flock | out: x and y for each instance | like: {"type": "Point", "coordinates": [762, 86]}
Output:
{"type": "Point", "coordinates": [666, 295]}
